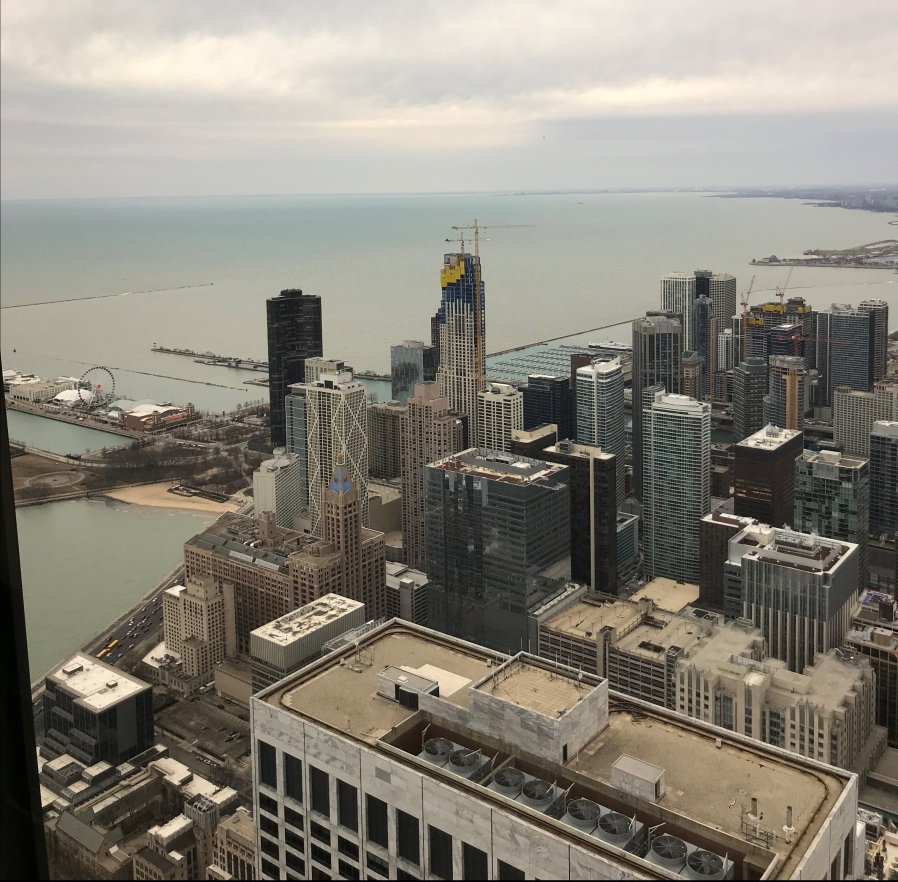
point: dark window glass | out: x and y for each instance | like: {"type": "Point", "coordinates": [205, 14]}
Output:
{"type": "Point", "coordinates": [268, 804]}
{"type": "Point", "coordinates": [440, 853]}
{"type": "Point", "coordinates": [268, 825]}
{"type": "Point", "coordinates": [474, 862]}
{"type": "Point", "coordinates": [347, 871]}
{"type": "Point", "coordinates": [350, 849]}
{"type": "Point", "coordinates": [321, 799]}
{"type": "Point", "coordinates": [507, 871]}
{"type": "Point", "coordinates": [296, 863]}
{"type": "Point", "coordinates": [403, 874]}
{"type": "Point", "coordinates": [377, 820]}
{"type": "Point", "coordinates": [270, 870]}
{"type": "Point", "coordinates": [378, 865]}
{"type": "Point", "coordinates": [321, 855]}
{"type": "Point", "coordinates": [292, 777]}
{"type": "Point", "coordinates": [347, 806]}
{"type": "Point", "coordinates": [294, 841]}
{"type": "Point", "coordinates": [407, 837]}
{"type": "Point", "coordinates": [268, 774]}
{"type": "Point", "coordinates": [294, 819]}
{"type": "Point", "coordinates": [322, 834]}
{"type": "Point", "coordinates": [272, 849]}
{"type": "Point", "coordinates": [318, 874]}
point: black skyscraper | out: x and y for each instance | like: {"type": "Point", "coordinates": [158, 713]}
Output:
{"type": "Point", "coordinates": [548, 400]}
{"type": "Point", "coordinates": [294, 334]}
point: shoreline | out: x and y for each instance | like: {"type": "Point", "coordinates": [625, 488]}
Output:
{"type": "Point", "coordinates": [157, 496]}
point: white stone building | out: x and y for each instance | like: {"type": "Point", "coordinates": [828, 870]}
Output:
{"type": "Point", "coordinates": [678, 295]}
{"type": "Point", "coordinates": [855, 412]}
{"type": "Point", "coordinates": [278, 488]}
{"type": "Point", "coordinates": [600, 413]}
{"type": "Point", "coordinates": [500, 411]}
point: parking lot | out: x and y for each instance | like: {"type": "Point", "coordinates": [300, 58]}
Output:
{"type": "Point", "coordinates": [210, 723]}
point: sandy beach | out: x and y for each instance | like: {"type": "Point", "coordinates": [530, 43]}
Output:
{"type": "Point", "coordinates": [157, 496]}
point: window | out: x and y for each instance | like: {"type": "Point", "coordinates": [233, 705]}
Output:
{"type": "Point", "coordinates": [322, 834]}
{"type": "Point", "coordinates": [292, 777]}
{"type": "Point", "coordinates": [347, 806]}
{"type": "Point", "coordinates": [320, 786]}
{"type": "Point", "coordinates": [296, 863]}
{"type": "Point", "coordinates": [317, 874]}
{"type": "Point", "coordinates": [440, 853]}
{"type": "Point", "coordinates": [377, 821]}
{"type": "Point", "coordinates": [407, 845]}
{"type": "Point", "coordinates": [268, 804]}
{"type": "Point", "coordinates": [474, 862]}
{"type": "Point", "coordinates": [269, 826]}
{"type": "Point", "coordinates": [378, 865]}
{"type": "Point", "coordinates": [268, 774]}
{"type": "Point", "coordinates": [350, 849]}
{"type": "Point", "coordinates": [322, 855]}
{"type": "Point", "coordinates": [347, 871]}
{"type": "Point", "coordinates": [294, 819]}
{"type": "Point", "coordinates": [269, 869]}
{"type": "Point", "coordinates": [402, 874]}
{"type": "Point", "coordinates": [272, 849]}
{"type": "Point", "coordinates": [507, 871]}
{"type": "Point", "coordinates": [294, 841]}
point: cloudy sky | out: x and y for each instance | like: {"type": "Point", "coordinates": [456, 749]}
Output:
{"type": "Point", "coordinates": [121, 98]}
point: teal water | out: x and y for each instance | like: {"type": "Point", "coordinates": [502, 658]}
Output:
{"type": "Point", "coordinates": [57, 436]}
{"type": "Point", "coordinates": [587, 261]}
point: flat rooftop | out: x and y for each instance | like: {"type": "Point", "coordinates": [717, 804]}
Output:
{"type": "Point", "coordinates": [97, 685]}
{"type": "Point", "coordinates": [585, 450]}
{"type": "Point", "coordinates": [400, 571]}
{"type": "Point", "coordinates": [736, 522]}
{"type": "Point", "coordinates": [668, 594]}
{"type": "Point", "coordinates": [833, 458]}
{"type": "Point", "coordinates": [534, 688]}
{"type": "Point", "coordinates": [495, 466]}
{"type": "Point", "coordinates": [303, 621]}
{"type": "Point", "coordinates": [585, 619]}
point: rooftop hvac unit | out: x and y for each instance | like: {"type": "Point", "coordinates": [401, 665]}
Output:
{"type": "Point", "coordinates": [437, 750]}
{"type": "Point", "coordinates": [583, 814]}
{"type": "Point", "coordinates": [538, 794]}
{"type": "Point", "coordinates": [706, 865]}
{"type": "Point", "coordinates": [668, 851]}
{"type": "Point", "coordinates": [465, 762]}
{"type": "Point", "coordinates": [508, 782]}
{"type": "Point", "coordinates": [619, 830]}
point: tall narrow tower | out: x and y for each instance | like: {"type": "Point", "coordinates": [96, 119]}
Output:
{"type": "Point", "coordinates": [600, 413]}
{"type": "Point", "coordinates": [678, 295]}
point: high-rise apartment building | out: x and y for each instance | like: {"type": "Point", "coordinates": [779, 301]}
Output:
{"type": "Point", "coordinates": [411, 363]}
{"type": "Point", "coordinates": [722, 291]}
{"type": "Point", "coordinates": [429, 433]}
{"type": "Point", "coordinates": [879, 312]}
{"type": "Point", "coordinates": [749, 389]}
{"type": "Point", "coordinates": [498, 543]}
{"type": "Point", "coordinates": [549, 400]}
{"type": "Point", "coordinates": [798, 588]}
{"type": "Point", "coordinates": [381, 768]}
{"type": "Point", "coordinates": [298, 438]}
{"type": "Point", "coordinates": [884, 477]}
{"type": "Point", "coordinates": [855, 412]}
{"type": "Point", "coordinates": [704, 336]}
{"type": "Point", "coordinates": [845, 350]}
{"type": "Point", "coordinates": [788, 393]}
{"type": "Point", "coordinates": [677, 484]}
{"type": "Point", "coordinates": [500, 411]}
{"type": "Point", "coordinates": [678, 296]}
{"type": "Point", "coordinates": [715, 531]}
{"type": "Point", "coordinates": [336, 424]}
{"type": "Point", "coordinates": [462, 336]}
{"type": "Point", "coordinates": [693, 369]}
{"type": "Point", "coordinates": [279, 486]}
{"type": "Point", "coordinates": [294, 334]}
{"type": "Point", "coordinates": [385, 439]}
{"type": "Point", "coordinates": [315, 367]}
{"type": "Point", "coordinates": [832, 498]}
{"type": "Point", "coordinates": [764, 475]}
{"type": "Point", "coordinates": [764, 318]}
{"type": "Point", "coordinates": [600, 413]}
{"type": "Point", "coordinates": [658, 344]}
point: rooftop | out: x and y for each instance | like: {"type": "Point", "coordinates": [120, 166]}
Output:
{"type": "Point", "coordinates": [284, 461]}
{"type": "Point", "coordinates": [300, 622]}
{"type": "Point", "coordinates": [736, 522]}
{"type": "Point", "coordinates": [532, 687]}
{"type": "Point", "coordinates": [586, 451]}
{"type": "Point", "coordinates": [97, 685]}
{"type": "Point", "coordinates": [668, 594]}
{"type": "Point", "coordinates": [833, 458]}
{"type": "Point", "coordinates": [401, 571]}
{"type": "Point", "coordinates": [495, 466]}
{"type": "Point", "coordinates": [789, 548]}
{"type": "Point", "coordinates": [769, 438]}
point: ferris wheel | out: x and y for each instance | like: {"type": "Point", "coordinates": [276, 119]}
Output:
{"type": "Point", "coordinates": [96, 387]}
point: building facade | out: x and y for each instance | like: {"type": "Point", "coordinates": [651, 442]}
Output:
{"type": "Point", "coordinates": [878, 310]}
{"type": "Point", "coordinates": [235, 847]}
{"type": "Point", "coordinates": [385, 439]}
{"type": "Point", "coordinates": [278, 486]}
{"type": "Point", "coordinates": [406, 593]}
{"type": "Point", "coordinates": [678, 296]}
{"type": "Point", "coordinates": [749, 389]}
{"type": "Point", "coordinates": [884, 477]}
{"type": "Point", "coordinates": [788, 393]}
{"type": "Point", "coordinates": [715, 531]}
{"type": "Point", "coordinates": [764, 475]}
{"type": "Point", "coordinates": [722, 290]}
{"type": "Point", "coordinates": [855, 412]}
{"type": "Point", "coordinates": [411, 362]}
{"type": "Point", "coordinates": [500, 411]}
{"type": "Point", "coordinates": [845, 350]}
{"type": "Point", "coordinates": [600, 413]}
{"type": "Point", "coordinates": [549, 400]}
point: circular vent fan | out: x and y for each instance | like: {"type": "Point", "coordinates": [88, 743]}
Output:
{"type": "Point", "coordinates": [537, 789]}
{"type": "Point", "coordinates": [584, 810]}
{"type": "Point", "coordinates": [463, 758]}
{"type": "Point", "coordinates": [438, 747]}
{"type": "Point", "coordinates": [705, 864]}
{"type": "Point", "coordinates": [615, 823]}
{"type": "Point", "coordinates": [509, 777]}
{"type": "Point", "coordinates": [671, 848]}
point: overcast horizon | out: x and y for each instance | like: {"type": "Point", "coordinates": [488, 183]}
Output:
{"type": "Point", "coordinates": [130, 100]}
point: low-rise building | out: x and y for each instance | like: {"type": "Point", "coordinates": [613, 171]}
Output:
{"type": "Point", "coordinates": [235, 848]}
{"type": "Point", "coordinates": [170, 853]}
{"type": "Point", "coordinates": [86, 849]}
{"type": "Point", "coordinates": [33, 390]}
{"type": "Point", "coordinates": [154, 419]}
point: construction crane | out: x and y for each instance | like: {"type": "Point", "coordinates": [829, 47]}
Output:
{"type": "Point", "coordinates": [478, 324]}
{"type": "Point", "coordinates": [799, 338]}
{"type": "Point", "coordinates": [745, 296]}
{"type": "Point", "coordinates": [781, 292]}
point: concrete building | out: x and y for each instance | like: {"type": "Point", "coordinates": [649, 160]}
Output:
{"type": "Point", "coordinates": [315, 367]}
{"type": "Point", "coordinates": [170, 853]}
{"type": "Point", "coordinates": [406, 593]}
{"type": "Point", "coordinates": [627, 546]}
{"type": "Point", "coordinates": [678, 296]}
{"type": "Point", "coordinates": [797, 588]}
{"type": "Point", "coordinates": [95, 712]}
{"type": "Point", "coordinates": [832, 498]}
{"type": "Point", "coordinates": [845, 350]}
{"type": "Point", "coordinates": [411, 363]}
{"type": "Point", "coordinates": [235, 848]}
{"type": "Point", "coordinates": [87, 850]}
{"type": "Point", "coordinates": [462, 336]}
{"type": "Point", "coordinates": [874, 634]}
{"type": "Point", "coordinates": [278, 487]}
{"type": "Point", "coordinates": [749, 389]}
{"type": "Point", "coordinates": [692, 374]}
{"type": "Point", "coordinates": [33, 390]}
{"type": "Point", "coordinates": [704, 333]}
{"type": "Point", "coordinates": [788, 393]}
{"type": "Point", "coordinates": [884, 478]}
{"type": "Point", "coordinates": [385, 439]}
{"type": "Point", "coordinates": [297, 430]}
{"type": "Point", "coordinates": [722, 291]}
{"type": "Point", "coordinates": [600, 413]}
{"type": "Point", "coordinates": [531, 442]}
{"type": "Point", "coordinates": [443, 761]}
{"type": "Point", "coordinates": [286, 644]}
{"type": "Point", "coordinates": [337, 425]}
{"type": "Point", "coordinates": [855, 412]}
{"type": "Point", "coordinates": [429, 433]}
{"type": "Point", "coordinates": [878, 310]}
{"type": "Point", "coordinates": [500, 411]}
{"type": "Point", "coordinates": [715, 531]}
{"type": "Point", "coordinates": [677, 484]}
{"type": "Point", "coordinates": [294, 334]}
{"type": "Point", "coordinates": [658, 344]}
{"type": "Point", "coordinates": [498, 543]}
{"type": "Point", "coordinates": [764, 475]}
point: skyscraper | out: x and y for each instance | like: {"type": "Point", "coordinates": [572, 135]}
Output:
{"type": "Point", "coordinates": [600, 413]}
{"type": "Point", "coordinates": [704, 335]}
{"type": "Point", "coordinates": [845, 350]}
{"type": "Point", "coordinates": [337, 423]}
{"type": "Point", "coordinates": [462, 336]}
{"type": "Point", "coordinates": [884, 477]}
{"type": "Point", "coordinates": [764, 475]}
{"type": "Point", "coordinates": [692, 374]}
{"type": "Point", "coordinates": [657, 358]}
{"type": "Point", "coordinates": [500, 410]}
{"type": "Point", "coordinates": [411, 363]}
{"type": "Point", "coordinates": [428, 433]}
{"type": "Point", "coordinates": [294, 334]}
{"type": "Point", "coordinates": [879, 311]}
{"type": "Point", "coordinates": [749, 389]}
{"type": "Point", "coordinates": [548, 400]}
{"type": "Point", "coordinates": [788, 393]}
{"type": "Point", "coordinates": [855, 412]}
{"type": "Point", "coordinates": [384, 439]}
{"type": "Point", "coordinates": [715, 531]}
{"type": "Point", "coordinates": [298, 439]}
{"type": "Point", "coordinates": [677, 484]}
{"type": "Point", "coordinates": [832, 498]}
{"type": "Point", "coordinates": [498, 544]}
{"type": "Point", "coordinates": [678, 296]}
{"type": "Point", "coordinates": [722, 291]}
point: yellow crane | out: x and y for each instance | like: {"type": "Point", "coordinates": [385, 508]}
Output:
{"type": "Point", "coordinates": [781, 292]}
{"type": "Point", "coordinates": [745, 297]}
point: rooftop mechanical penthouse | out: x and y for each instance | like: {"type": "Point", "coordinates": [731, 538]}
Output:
{"type": "Point", "coordinates": [412, 754]}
